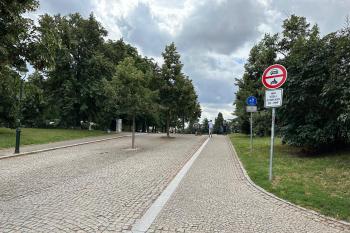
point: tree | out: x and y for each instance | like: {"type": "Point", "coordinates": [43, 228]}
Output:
{"type": "Point", "coordinates": [129, 91]}
{"type": "Point", "coordinates": [15, 35]}
{"type": "Point", "coordinates": [316, 103]}
{"type": "Point", "coordinates": [34, 102]}
{"type": "Point", "coordinates": [169, 90]}
{"type": "Point", "coordinates": [315, 110]}
{"type": "Point", "coordinates": [15, 32]}
{"type": "Point", "coordinates": [218, 124]}
{"type": "Point", "coordinates": [188, 106]}
{"type": "Point", "coordinates": [261, 56]}
{"type": "Point", "coordinates": [205, 127]}
{"type": "Point", "coordinates": [70, 52]}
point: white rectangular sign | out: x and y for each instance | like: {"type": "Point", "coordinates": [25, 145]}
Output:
{"type": "Point", "coordinates": [251, 108]}
{"type": "Point", "coordinates": [273, 98]}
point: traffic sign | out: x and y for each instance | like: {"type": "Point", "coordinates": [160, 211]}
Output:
{"type": "Point", "coordinates": [251, 108]}
{"type": "Point", "coordinates": [252, 101]}
{"type": "Point", "coordinates": [274, 76]}
{"type": "Point", "coordinates": [273, 98]}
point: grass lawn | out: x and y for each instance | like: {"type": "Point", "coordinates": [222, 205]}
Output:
{"type": "Point", "coordinates": [321, 183]}
{"type": "Point", "coordinates": [40, 136]}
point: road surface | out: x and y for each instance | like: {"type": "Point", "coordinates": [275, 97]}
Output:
{"type": "Point", "coordinates": [106, 187]}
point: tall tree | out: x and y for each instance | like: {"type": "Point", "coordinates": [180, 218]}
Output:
{"type": "Point", "coordinates": [169, 91]}
{"type": "Point", "coordinates": [129, 91]}
{"type": "Point", "coordinates": [205, 126]}
{"type": "Point", "coordinates": [35, 106]}
{"type": "Point", "coordinates": [261, 56]}
{"type": "Point", "coordinates": [218, 124]}
{"type": "Point", "coordinates": [16, 31]}
{"type": "Point", "coordinates": [70, 52]}
{"type": "Point", "coordinates": [188, 105]}
{"type": "Point", "coordinates": [314, 107]}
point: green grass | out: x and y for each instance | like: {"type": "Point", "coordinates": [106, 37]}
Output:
{"type": "Point", "coordinates": [321, 183]}
{"type": "Point", "coordinates": [40, 136]}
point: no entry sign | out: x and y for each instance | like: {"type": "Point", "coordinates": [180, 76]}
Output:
{"type": "Point", "coordinates": [274, 76]}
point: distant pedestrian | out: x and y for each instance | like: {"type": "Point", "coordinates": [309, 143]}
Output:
{"type": "Point", "coordinates": [210, 126]}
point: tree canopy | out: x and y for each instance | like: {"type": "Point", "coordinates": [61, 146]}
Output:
{"type": "Point", "coordinates": [316, 102]}
{"type": "Point", "coordinates": [79, 76]}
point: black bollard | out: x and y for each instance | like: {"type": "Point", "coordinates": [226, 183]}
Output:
{"type": "Point", "coordinates": [18, 139]}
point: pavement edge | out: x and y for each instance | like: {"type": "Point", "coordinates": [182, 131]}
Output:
{"type": "Point", "coordinates": [61, 147]}
{"type": "Point", "coordinates": [342, 225]}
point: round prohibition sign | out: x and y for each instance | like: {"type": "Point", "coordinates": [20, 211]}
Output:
{"type": "Point", "coordinates": [274, 76]}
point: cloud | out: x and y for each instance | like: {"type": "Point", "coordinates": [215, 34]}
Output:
{"type": "Point", "coordinates": [210, 111]}
{"type": "Point", "coordinates": [65, 7]}
{"type": "Point", "coordinates": [213, 75]}
{"type": "Point", "coordinates": [222, 26]}
{"type": "Point", "coordinates": [328, 14]}
{"type": "Point", "coordinates": [214, 37]}
{"type": "Point", "coordinates": [141, 27]}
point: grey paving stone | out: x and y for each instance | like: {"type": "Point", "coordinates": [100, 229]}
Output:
{"type": "Point", "coordinates": [214, 196]}
{"type": "Point", "coordinates": [89, 188]}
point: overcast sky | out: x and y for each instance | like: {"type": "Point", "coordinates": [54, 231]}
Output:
{"type": "Point", "coordinates": [213, 36]}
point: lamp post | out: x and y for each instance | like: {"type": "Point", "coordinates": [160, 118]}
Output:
{"type": "Point", "coordinates": [19, 116]}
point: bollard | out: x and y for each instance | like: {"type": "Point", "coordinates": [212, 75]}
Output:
{"type": "Point", "coordinates": [18, 140]}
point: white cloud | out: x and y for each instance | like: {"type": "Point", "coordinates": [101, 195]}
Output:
{"type": "Point", "coordinates": [210, 111]}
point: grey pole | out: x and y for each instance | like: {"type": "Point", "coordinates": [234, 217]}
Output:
{"type": "Point", "coordinates": [251, 132]}
{"type": "Point", "coordinates": [272, 142]}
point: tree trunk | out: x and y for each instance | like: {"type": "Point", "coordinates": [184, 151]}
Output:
{"type": "Point", "coordinates": [133, 132]}
{"type": "Point", "coordinates": [167, 125]}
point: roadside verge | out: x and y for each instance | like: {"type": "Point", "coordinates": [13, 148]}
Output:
{"type": "Point", "coordinates": [342, 225]}
{"type": "Point", "coordinates": [8, 154]}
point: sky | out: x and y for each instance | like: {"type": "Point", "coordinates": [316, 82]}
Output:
{"type": "Point", "coordinates": [214, 37]}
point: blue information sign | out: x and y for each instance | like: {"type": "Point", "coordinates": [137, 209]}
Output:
{"type": "Point", "coordinates": [252, 101]}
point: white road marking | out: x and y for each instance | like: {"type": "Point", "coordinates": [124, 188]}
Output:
{"type": "Point", "coordinates": [148, 218]}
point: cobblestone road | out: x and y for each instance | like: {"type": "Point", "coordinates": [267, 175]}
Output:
{"type": "Point", "coordinates": [215, 197]}
{"type": "Point", "coordinates": [100, 187]}
{"type": "Point", "coordinates": [28, 148]}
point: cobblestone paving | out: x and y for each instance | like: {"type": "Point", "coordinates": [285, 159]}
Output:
{"type": "Point", "coordinates": [215, 197]}
{"type": "Point", "coordinates": [100, 187]}
{"type": "Point", "coordinates": [28, 148]}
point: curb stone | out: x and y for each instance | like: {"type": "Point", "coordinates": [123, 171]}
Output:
{"type": "Point", "coordinates": [342, 225]}
{"type": "Point", "coordinates": [61, 147]}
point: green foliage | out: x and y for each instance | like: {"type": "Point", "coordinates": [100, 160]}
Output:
{"type": "Point", "coordinates": [316, 102]}
{"type": "Point", "coordinates": [129, 90]}
{"type": "Point", "coordinates": [177, 95]}
{"type": "Point", "coordinates": [70, 52]}
{"type": "Point", "coordinates": [205, 126]}
{"type": "Point", "coordinates": [218, 124]}
{"type": "Point", "coordinates": [261, 56]}
{"type": "Point", "coordinates": [316, 182]}
{"type": "Point", "coordinates": [15, 33]}
{"type": "Point", "coordinates": [15, 36]}
{"type": "Point", "coordinates": [80, 77]}
{"type": "Point", "coordinates": [34, 103]}
{"type": "Point", "coordinates": [30, 136]}
{"type": "Point", "coordinates": [9, 96]}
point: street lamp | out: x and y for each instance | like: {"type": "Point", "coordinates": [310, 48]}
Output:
{"type": "Point", "coordinates": [19, 116]}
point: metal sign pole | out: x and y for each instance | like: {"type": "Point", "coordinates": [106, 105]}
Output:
{"type": "Point", "coordinates": [272, 141]}
{"type": "Point", "coordinates": [251, 132]}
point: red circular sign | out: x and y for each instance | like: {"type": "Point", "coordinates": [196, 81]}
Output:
{"type": "Point", "coordinates": [274, 76]}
